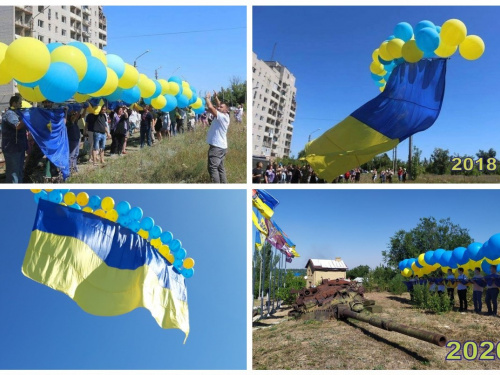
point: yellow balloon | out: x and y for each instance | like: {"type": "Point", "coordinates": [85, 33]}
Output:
{"type": "Point", "coordinates": [395, 48]}
{"type": "Point", "coordinates": [411, 52]}
{"type": "Point", "coordinates": [188, 263]}
{"type": "Point", "coordinates": [48, 190]}
{"type": "Point", "coordinates": [111, 215]}
{"type": "Point", "coordinates": [164, 86]}
{"type": "Point", "coordinates": [375, 55]}
{"type": "Point", "coordinates": [5, 76]}
{"type": "Point", "coordinates": [32, 94]}
{"type": "Point", "coordinates": [384, 53]}
{"type": "Point", "coordinates": [197, 104]}
{"type": "Point", "coordinates": [159, 102]}
{"type": "Point", "coordinates": [422, 261]}
{"type": "Point", "coordinates": [81, 98]}
{"type": "Point", "coordinates": [107, 203]}
{"type": "Point", "coordinates": [82, 198]}
{"type": "Point", "coordinates": [63, 204]}
{"type": "Point", "coordinates": [453, 32]}
{"type": "Point", "coordinates": [445, 50]}
{"type": "Point", "coordinates": [156, 243]}
{"type": "Point", "coordinates": [185, 85]}
{"type": "Point", "coordinates": [173, 88]}
{"type": "Point", "coordinates": [109, 86]}
{"type": "Point", "coordinates": [99, 213]}
{"type": "Point", "coordinates": [376, 68]}
{"type": "Point", "coordinates": [170, 257]}
{"type": "Point", "coordinates": [87, 209]}
{"type": "Point", "coordinates": [472, 48]}
{"type": "Point", "coordinates": [164, 250]}
{"type": "Point", "coordinates": [96, 52]}
{"type": "Point", "coordinates": [129, 78]}
{"type": "Point", "coordinates": [187, 91]}
{"type": "Point", "coordinates": [69, 198]}
{"type": "Point", "coordinates": [144, 234]}
{"type": "Point", "coordinates": [3, 49]}
{"type": "Point", "coordinates": [382, 88]}
{"type": "Point", "coordinates": [71, 56]}
{"type": "Point", "coordinates": [146, 86]}
{"type": "Point", "coordinates": [27, 59]}
{"type": "Point", "coordinates": [35, 191]}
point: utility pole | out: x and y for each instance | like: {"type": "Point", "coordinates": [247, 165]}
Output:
{"type": "Point", "coordinates": [410, 157]}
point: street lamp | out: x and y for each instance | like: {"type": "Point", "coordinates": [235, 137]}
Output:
{"type": "Point", "coordinates": [309, 140]}
{"type": "Point", "coordinates": [137, 58]}
{"type": "Point", "coordinates": [156, 72]}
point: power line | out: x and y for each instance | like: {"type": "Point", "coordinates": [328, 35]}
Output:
{"type": "Point", "coordinates": [177, 32]}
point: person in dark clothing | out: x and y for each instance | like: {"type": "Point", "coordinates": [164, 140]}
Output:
{"type": "Point", "coordinates": [120, 128]}
{"type": "Point", "coordinates": [73, 139]}
{"type": "Point", "coordinates": [257, 173]}
{"type": "Point", "coordinates": [295, 174]}
{"type": "Point", "coordinates": [146, 124]}
{"type": "Point", "coordinates": [14, 142]}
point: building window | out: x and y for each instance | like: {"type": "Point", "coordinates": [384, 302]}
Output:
{"type": "Point", "coordinates": [57, 16]}
{"type": "Point", "coordinates": [255, 94]}
{"type": "Point", "coordinates": [57, 29]}
{"type": "Point", "coordinates": [267, 91]}
{"type": "Point", "coordinates": [261, 119]}
{"type": "Point", "coordinates": [50, 40]}
{"type": "Point", "coordinates": [63, 19]}
{"type": "Point", "coordinates": [63, 32]}
{"type": "Point", "coordinates": [265, 100]}
{"type": "Point", "coordinates": [40, 23]}
{"type": "Point", "coordinates": [63, 6]}
{"type": "Point", "coordinates": [258, 137]}
{"type": "Point", "coordinates": [40, 8]}
{"type": "Point", "coordinates": [49, 26]}
{"type": "Point", "coordinates": [40, 38]}
{"type": "Point", "coordinates": [253, 70]}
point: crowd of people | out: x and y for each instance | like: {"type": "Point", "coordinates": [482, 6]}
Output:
{"type": "Point", "coordinates": [89, 131]}
{"type": "Point", "coordinates": [461, 283]}
{"type": "Point", "coordinates": [292, 173]}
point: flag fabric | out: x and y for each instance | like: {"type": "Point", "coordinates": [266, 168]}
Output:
{"type": "Point", "coordinates": [267, 198]}
{"type": "Point", "coordinates": [290, 245]}
{"type": "Point", "coordinates": [261, 227]}
{"type": "Point", "coordinates": [48, 128]}
{"type": "Point", "coordinates": [259, 240]}
{"type": "Point", "coordinates": [274, 237]}
{"type": "Point", "coordinates": [105, 268]}
{"type": "Point", "coordinates": [264, 202]}
{"type": "Point", "coordinates": [410, 103]}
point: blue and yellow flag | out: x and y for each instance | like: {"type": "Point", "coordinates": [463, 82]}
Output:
{"type": "Point", "coordinates": [105, 268]}
{"type": "Point", "coordinates": [264, 202]}
{"type": "Point", "coordinates": [48, 128]}
{"type": "Point", "coordinates": [410, 103]}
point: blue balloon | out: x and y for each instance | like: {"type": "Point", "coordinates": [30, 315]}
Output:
{"type": "Point", "coordinates": [473, 250]}
{"type": "Point", "coordinates": [52, 46]}
{"type": "Point", "coordinates": [399, 61]}
{"type": "Point", "coordinates": [422, 25]}
{"type": "Point", "coordinates": [123, 208]}
{"type": "Point", "coordinates": [387, 76]}
{"type": "Point", "coordinates": [427, 39]}
{"type": "Point", "coordinates": [199, 111]}
{"type": "Point", "coordinates": [81, 46]}
{"type": "Point", "coordinates": [390, 37]}
{"type": "Point", "coordinates": [187, 272]}
{"type": "Point", "coordinates": [404, 31]}
{"type": "Point", "coordinates": [447, 261]}
{"type": "Point", "coordinates": [429, 258]}
{"type": "Point", "coordinates": [401, 265]}
{"type": "Point", "coordinates": [193, 99]}
{"type": "Point", "coordinates": [176, 79]}
{"type": "Point", "coordinates": [176, 270]}
{"type": "Point", "coordinates": [64, 191]}
{"type": "Point", "coordinates": [76, 206]}
{"type": "Point", "coordinates": [29, 84]}
{"type": "Point", "coordinates": [485, 267]}
{"type": "Point", "coordinates": [132, 95]}
{"type": "Point", "coordinates": [158, 89]}
{"type": "Point", "coordinates": [380, 84]}
{"type": "Point", "coordinates": [177, 264]}
{"type": "Point", "coordinates": [458, 255]}
{"type": "Point", "coordinates": [175, 245]}
{"type": "Point", "coordinates": [182, 101]}
{"type": "Point", "coordinates": [41, 195]}
{"type": "Point", "coordinates": [116, 63]}
{"type": "Point", "coordinates": [55, 196]}
{"type": "Point", "coordinates": [438, 29]}
{"type": "Point", "coordinates": [383, 62]}
{"type": "Point", "coordinates": [121, 220]}
{"type": "Point", "coordinates": [135, 213]}
{"type": "Point", "coordinates": [166, 237]}
{"type": "Point", "coordinates": [94, 202]}
{"type": "Point", "coordinates": [148, 100]}
{"type": "Point", "coordinates": [180, 254]}
{"type": "Point", "coordinates": [171, 103]}
{"type": "Point", "coordinates": [116, 95]}
{"type": "Point", "coordinates": [147, 223]}
{"type": "Point", "coordinates": [493, 250]}
{"type": "Point", "coordinates": [438, 254]}
{"type": "Point", "coordinates": [135, 226]}
{"type": "Point", "coordinates": [155, 232]}
{"type": "Point", "coordinates": [60, 82]}
{"type": "Point", "coordinates": [417, 264]}
{"type": "Point", "coordinates": [376, 77]}
{"type": "Point", "coordinates": [95, 77]}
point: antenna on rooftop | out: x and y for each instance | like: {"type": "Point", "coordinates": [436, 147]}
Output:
{"type": "Point", "coordinates": [274, 50]}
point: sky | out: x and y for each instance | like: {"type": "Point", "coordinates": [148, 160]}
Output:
{"type": "Point", "coordinates": [207, 59]}
{"type": "Point", "coordinates": [44, 329]}
{"type": "Point", "coordinates": [357, 225]}
{"type": "Point", "coordinates": [329, 49]}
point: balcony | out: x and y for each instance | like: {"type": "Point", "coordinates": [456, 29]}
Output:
{"type": "Point", "coordinates": [86, 22]}
{"type": "Point", "coordinates": [266, 144]}
{"type": "Point", "coordinates": [86, 10]}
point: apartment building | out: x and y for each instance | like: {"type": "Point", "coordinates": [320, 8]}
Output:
{"type": "Point", "coordinates": [273, 107]}
{"type": "Point", "coordinates": [49, 24]}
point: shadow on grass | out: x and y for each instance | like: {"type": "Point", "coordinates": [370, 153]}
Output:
{"type": "Point", "coordinates": [387, 342]}
{"type": "Point", "coordinates": [400, 300]}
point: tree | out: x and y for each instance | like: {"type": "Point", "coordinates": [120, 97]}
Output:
{"type": "Point", "coordinates": [359, 271]}
{"type": "Point", "coordinates": [266, 257]}
{"type": "Point", "coordinates": [440, 162]}
{"type": "Point", "coordinates": [417, 167]}
{"type": "Point", "coordinates": [485, 155]}
{"type": "Point", "coordinates": [429, 234]}
{"type": "Point", "coordinates": [291, 282]}
{"type": "Point", "coordinates": [236, 92]}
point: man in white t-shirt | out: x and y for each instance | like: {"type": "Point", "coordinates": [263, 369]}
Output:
{"type": "Point", "coordinates": [217, 139]}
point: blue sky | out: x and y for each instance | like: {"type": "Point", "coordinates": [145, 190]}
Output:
{"type": "Point", "coordinates": [44, 329]}
{"type": "Point", "coordinates": [357, 225]}
{"type": "Point", "coordinates": [328, 49]}
{"type": "Point", "coordinates": [207, 60]}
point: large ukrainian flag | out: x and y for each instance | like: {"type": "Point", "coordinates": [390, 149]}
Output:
{"type": "Point", "coordinates": [410, 103]}
{"type": "Point", "coordinates": [105, 268]}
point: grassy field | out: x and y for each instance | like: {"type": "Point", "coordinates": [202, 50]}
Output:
{"type": "Point", "coordinates": [283, 343]}
{"type": "Point", "coordinates": [181, 159]}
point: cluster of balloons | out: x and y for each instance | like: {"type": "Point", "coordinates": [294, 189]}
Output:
{"type": "Point", "coordinates": [130, 217]}
{"type": "Point", "coordinates": [470, 257]}
{"type": "Point", "coordinates": [426, 40]}
{"type": "Point", "coordinates": [59, 72]}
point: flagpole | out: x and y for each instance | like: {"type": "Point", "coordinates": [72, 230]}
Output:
{"type": "Point", "coordinates": [261, 286]}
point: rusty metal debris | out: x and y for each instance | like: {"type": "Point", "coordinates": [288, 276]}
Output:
{"type": "Point", "coordinates": [341, 299]}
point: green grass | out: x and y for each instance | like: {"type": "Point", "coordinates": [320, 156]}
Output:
{"type": "Point", "coordinates": [181, 159]}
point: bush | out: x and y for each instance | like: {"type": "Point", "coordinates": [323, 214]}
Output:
{"type": "Point", "coordinates": [434, 302]}
{"type": "Point", "coordinates": [396, 285]}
